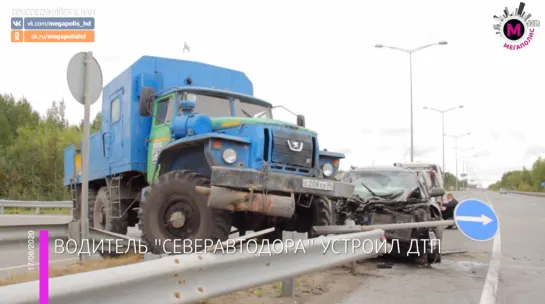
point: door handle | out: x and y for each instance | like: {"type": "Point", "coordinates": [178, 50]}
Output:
{"type": "Point", "coordinates": [106, 144]}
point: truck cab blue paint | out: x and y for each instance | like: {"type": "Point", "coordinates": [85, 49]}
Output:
{"type": "Point", "coordinates": [332, 158]}
{"type": "Point", "coordinates": [121, 144]}
{"type": "Point", "coordinates": [189, 123]}
{"type": "Point", "coordinates": [197, 151]}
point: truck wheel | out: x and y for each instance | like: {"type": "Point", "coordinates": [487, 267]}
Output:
{"type": "Point", "coordinates": [173, 211]}
{"type": "Point", "coordinates": [322, 210]}
{"type": "Point", "coordinates": [103, 218]}
{"type": "Point", "coordinates": [91, 197]}
{"type": "Point", "coordinates": [318, 214]}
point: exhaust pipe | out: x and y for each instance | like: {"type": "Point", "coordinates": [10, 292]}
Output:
{"type": "Point", "coordinates": [232, 200]}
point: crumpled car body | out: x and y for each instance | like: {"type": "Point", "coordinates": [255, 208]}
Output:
{"type": "Point", "coordinates": [389, 195]}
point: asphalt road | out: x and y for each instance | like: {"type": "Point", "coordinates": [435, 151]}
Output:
{"type": "Point", "coordinates": [461, 278]}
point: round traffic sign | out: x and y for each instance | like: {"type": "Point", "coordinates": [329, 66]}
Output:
{"type": "Point", "coordinates": [83, 76]}
{"type": "Point", "coordinates": [476, 220]}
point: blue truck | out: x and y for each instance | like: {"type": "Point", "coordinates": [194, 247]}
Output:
{"type": "Point", "coordinates": [185, 152]}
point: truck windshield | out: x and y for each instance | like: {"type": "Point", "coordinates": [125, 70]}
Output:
{"type": "Point", "coordinates": [245, 109]}
{"type": "Point", "coordinates": [214, 106]}
{"type": "Point", "coordinates": [219, 106]}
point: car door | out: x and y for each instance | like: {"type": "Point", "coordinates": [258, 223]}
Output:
{"type": "Point", "coordinates": [160, 131]}
{"type": "Point", "coordinates": [112, 129]}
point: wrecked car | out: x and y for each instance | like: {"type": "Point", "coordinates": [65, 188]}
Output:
{"type": "Point", "coordinates": [390, 195]}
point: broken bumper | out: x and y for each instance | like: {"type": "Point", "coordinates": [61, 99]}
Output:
{"type": "Point", "coordinates": [246, 179]}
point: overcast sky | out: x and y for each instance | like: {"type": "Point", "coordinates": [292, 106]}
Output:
{"type": "Point", "coordinates": [318, 58]}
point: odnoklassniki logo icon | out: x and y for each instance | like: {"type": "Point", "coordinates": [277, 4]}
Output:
{"type": "Point", "coordinates": [515, 27]}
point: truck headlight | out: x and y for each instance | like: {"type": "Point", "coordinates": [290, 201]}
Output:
{"type": "Point", "coordinates": [327, 169]}
{"type": "Point", "coordinates": [229, 156]}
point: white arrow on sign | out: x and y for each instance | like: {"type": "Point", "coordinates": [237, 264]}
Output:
{"type": "Point", "coordinates": [477, 219]}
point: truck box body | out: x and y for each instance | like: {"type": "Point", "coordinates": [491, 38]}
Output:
{"type": "Point", "coordinates": [121, 143]}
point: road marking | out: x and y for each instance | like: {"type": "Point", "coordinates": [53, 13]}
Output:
{"type": "Point", "coordinates": [477, 219]}
{"type": "Point", "coordinates": [490, 289]}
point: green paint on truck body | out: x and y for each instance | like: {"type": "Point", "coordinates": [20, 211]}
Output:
{"type": "Point", "coordinates": [159, 136]}
{"type": "Point", "coordinates": [218, 121]}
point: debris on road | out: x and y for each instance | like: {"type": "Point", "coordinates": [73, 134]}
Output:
{"type": "Point", "coordinates": [385, 265]}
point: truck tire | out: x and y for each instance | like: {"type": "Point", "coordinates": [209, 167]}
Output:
{"type": "Point", "coordinates": [173, 210]}
{"type": "Point", "coordinates": [320, 213]}
{"type": "Point", "coordinates": [102, 220]}
{"type": "Point", "coordinates": [91, 197]}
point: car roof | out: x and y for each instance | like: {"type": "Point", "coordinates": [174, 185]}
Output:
{"type": "Point", "coordinates": [421, 165]}
{"type": "Point", "coordinates": [382, 169]}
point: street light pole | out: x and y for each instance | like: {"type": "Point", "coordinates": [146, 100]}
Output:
{"type": "Point", "coordinates": [411, 85]}
{"type": "Point", "coordinates": [443, 125]}
{"type": "Point", "coordinates": [456, 137]}
{"type": "Point", "coordinates": [443, 137]}
{"type": "Point", "coordinates": [465, 166]}
{"type": "Point", "coordinates": [456, 155]}
{"type": "Point", "coordinates": [410, 52]}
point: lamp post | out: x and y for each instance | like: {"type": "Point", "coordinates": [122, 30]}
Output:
{"type": "Point", "coordinates": [443, 126]}
{"type": "Point", "coordinates": [456, 137]}
{"type": "Point", "coordinates": [465, 165]}
{"type": "Point", "coordinates": [410, 52]}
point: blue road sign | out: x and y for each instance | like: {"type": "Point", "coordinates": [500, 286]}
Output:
{"type": "Point", "coordinates": [542, 184]}
{"type": "Point", "coordinates": [476, 220]}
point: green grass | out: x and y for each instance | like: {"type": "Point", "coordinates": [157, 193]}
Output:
{"type": "Point", "coordinates": [33, 211]}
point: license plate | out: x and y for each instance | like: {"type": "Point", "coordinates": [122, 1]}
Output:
{"type": "Point", "coordinates": [317, 184]}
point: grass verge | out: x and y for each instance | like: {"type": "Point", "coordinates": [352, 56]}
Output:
{"type": "Point", "coordinates": [62, 270]}
{"type": "Point", "coordinates": [33, 211]}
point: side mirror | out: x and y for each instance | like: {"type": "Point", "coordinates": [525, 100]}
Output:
{"type": "Point", "coordinates": [301, 120]}
{"type": "Point", "coordinates": [147, 95]}
{"type": "Point", "coordinates": [436, 192]}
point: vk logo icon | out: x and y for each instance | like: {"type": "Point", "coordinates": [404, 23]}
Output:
{"type": "Point", "coordinates": [16, 23]}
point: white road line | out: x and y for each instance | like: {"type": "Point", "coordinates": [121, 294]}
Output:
{"type": "Point", "coordinates": [490, 288]}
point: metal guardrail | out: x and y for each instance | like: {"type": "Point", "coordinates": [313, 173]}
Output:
{"type": "Point", "coordinates": [538, 194]}
{"type": "Point", "coordinates": [33, 204]}
{"type": "Point", "coordinates": [190, 278]}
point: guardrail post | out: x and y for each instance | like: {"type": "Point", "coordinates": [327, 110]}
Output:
{"type": "Point", "coordinates": [37, 211]}
{"type": "Point", "coordinates": [288, 285]}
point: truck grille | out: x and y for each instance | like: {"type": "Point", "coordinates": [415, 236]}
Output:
{"type": "Point", "coordinates": [292, 149]}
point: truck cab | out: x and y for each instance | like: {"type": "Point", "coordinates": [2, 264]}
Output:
{"type": "Point", "coordinates": [186, 151]}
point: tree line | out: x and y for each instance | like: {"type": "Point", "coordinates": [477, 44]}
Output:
{"type": "Point", "coordinates": [526, 180]}
{"type": "Point", "coordinates": [32, 149]}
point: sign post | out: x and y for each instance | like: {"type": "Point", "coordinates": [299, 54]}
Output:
{"type": "Point", "coordinates": [476, 220]}
{"type": "Point", "coordinates": [85, 82]}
